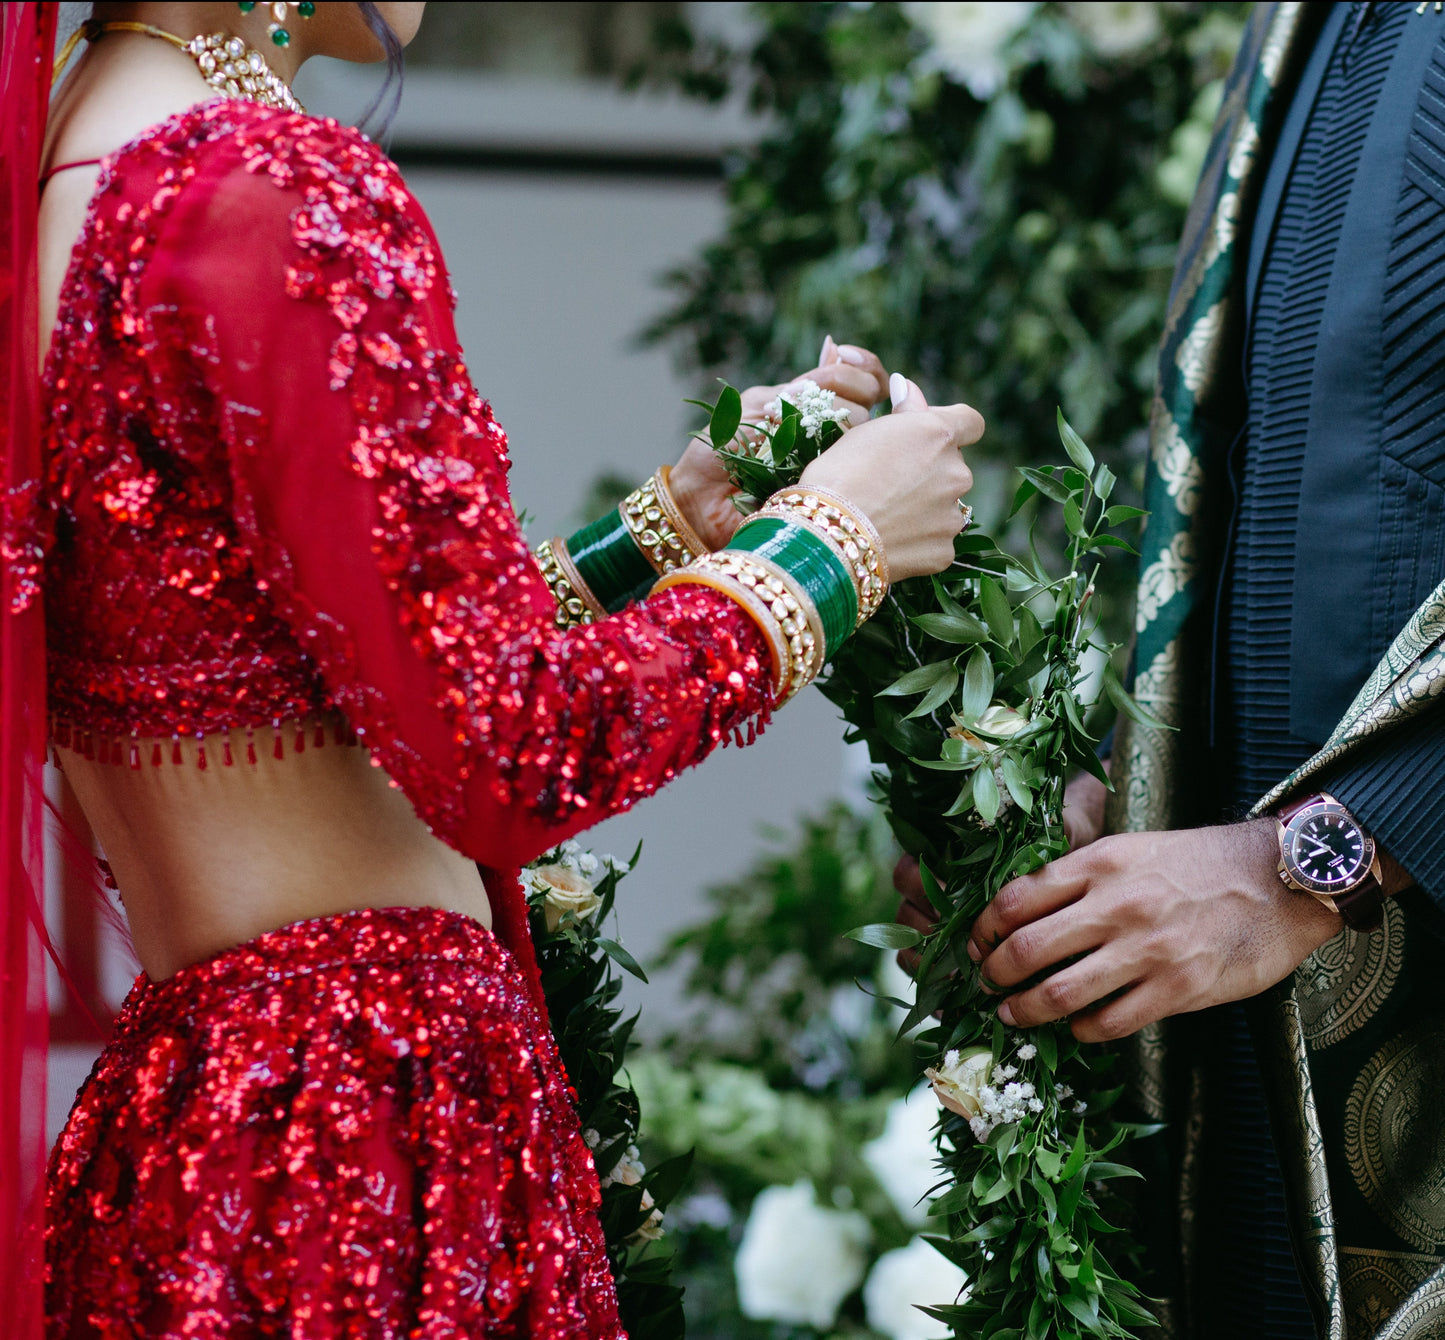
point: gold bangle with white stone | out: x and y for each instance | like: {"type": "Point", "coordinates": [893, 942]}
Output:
{"type": "Point", "coordinates": [576, 605]}
{"type": "Point", "coordinates": [658, 527]}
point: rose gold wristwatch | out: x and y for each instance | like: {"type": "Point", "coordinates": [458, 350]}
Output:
{"type": "Point", "coordinates": [1325, 853]}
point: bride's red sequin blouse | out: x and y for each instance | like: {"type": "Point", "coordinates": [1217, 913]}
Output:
{"type": "Point", "coordinates": [273, 493]}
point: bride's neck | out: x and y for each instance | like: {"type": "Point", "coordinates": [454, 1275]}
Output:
{"type": "Point", "coordinates": [191, 20]}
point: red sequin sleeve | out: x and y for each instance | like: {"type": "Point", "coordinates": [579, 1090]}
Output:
{"type": "Point", "coordinates": [369, 481]}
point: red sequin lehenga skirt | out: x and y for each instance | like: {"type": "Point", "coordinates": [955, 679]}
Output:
{"type": "Point", "coordinates": [353, 1126]}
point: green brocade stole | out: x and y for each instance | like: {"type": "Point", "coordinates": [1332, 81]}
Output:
{"type": "Point", "coordinates": [1352, 1045]}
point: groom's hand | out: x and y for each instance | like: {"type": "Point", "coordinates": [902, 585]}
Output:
{"type": "Point", "coordinates": [1136, 927]}
{"type": "Point", "coordinates": [914, 909]}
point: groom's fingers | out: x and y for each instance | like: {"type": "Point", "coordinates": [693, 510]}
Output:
{"type": "Point", "coordinates": [1024, 900]}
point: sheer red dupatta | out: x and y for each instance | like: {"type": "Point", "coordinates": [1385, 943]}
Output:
{"type": "Point", "coordinates": [27, 43]}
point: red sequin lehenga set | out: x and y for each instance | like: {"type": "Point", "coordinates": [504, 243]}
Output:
{"type": "Point", "coordinates": [271, 495]}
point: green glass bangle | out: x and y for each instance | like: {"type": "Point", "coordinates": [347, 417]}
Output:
{"type": "Point", "coordinates": [813, 563]}
{"type": "Point", "coordinates": [609, 561]}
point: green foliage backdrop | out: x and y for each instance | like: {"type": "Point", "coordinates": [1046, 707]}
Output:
{"type": "Point", "coordinates": [988, 195]}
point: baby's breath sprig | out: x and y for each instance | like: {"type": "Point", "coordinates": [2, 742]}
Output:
{"type": "Point", "coordinates": [993, 655]}
{"type": "Point", "coordinates": [768, 455]}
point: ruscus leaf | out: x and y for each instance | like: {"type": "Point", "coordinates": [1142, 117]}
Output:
{"type": "Point", "coordinates": [886, 935]}
{"type": "Point", "coordinates": [1074, 445]}
{"type": "Point", "coordinates": [1046, 483]}
{"type": "Point", "coordinates": [727, 416]}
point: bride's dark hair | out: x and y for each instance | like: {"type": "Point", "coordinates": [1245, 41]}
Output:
{"type": "Point", "coordinates": [388, 97]}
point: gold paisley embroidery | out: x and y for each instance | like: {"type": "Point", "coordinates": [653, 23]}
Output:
{"type": "Point", "coordinates": [1422, 1315]}
{"type": "Point", "coordinates": [1271, 55]}
{"type": "Point", "coordinates": [1223, 227]}
{"type": "Point", "coordinates": [1145, 758]}
{"type": "Point", "coordinates": [1394, 1139]}
{"type": "Point", "coordinates": [1284, 1062]}
{"type": "Point", "coordinates": [1344, 982]}
{"type": "Point", "coordinates": [1165, 577]}
{"type": "Point", "coordinates": [1241, 152]}
{"type": "Point", "coordinates": [1375, 1283]}
{"type": "Point", "coordinates": [1178, 468]}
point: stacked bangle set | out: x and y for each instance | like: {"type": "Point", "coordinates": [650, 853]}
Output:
{"type": "Point", "coordinates": [808, 568]}
{"type": "Point", "coordinates": [607, 565]}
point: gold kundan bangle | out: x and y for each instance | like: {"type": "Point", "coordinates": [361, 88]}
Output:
{"type": "Point", "coordinates": [838, 521]}
{"type": "Point", "coordinates": [690, 538]}
{"type": "Point", "coordinates": [779, 606]}
{"type": "Point", "coordinates": [658, 527]}
{"type": "Point", "coordinates": [576, 605]}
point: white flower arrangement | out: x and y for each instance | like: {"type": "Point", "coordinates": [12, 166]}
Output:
{"type": "Point", "coordinates": [1115, 29]}
{"type": "Point", "coordinates": [816, 406]}
{"type": "Point", "coordinates": [899, 1280]}
{"type": "Point", "coordinates": [901, 1158]}
{"type": "Point", "coordinates": [959, 1082]}
{"type": "Point", "coordinates": [798, 1260]}
{"type": "Point", "coordinates": [968, 39]}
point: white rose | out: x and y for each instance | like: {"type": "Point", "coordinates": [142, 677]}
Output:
{"type": "Point", "coordinates": [959, 1082]}
{"type": "Point", "coordinates": [902, 1157]}
{"type": "Point", "coordinates": [567, 892]}
{"type": "Point", "coordinates": [968, 38]}
{"type": "Point", "coordinates": [903, 1278]}
{"type": "Point", "coordinates": [798, 1260]}
{"type": "Point", "coordinates": [1115, 28]}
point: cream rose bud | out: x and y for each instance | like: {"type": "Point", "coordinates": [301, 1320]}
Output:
{"type": "Point", "coordinates": [567, 892]}
{"type": "Point", "coordinates": [958, 1083]}
{"type": "Point", "coordinates": [998, 721]}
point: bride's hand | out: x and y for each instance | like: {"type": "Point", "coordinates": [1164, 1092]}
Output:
{"type": "Point", "coordinates": [700, 485]}
{"type": "Point", "coordinates": [906, 473]}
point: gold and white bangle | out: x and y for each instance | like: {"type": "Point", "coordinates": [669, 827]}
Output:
{"type": "Point", "coordinates": [576, 605]}
{"type": "Point", "coordinates": [776, 603]}
{"type": "Point", "coordinates": [658, 527]}
{"type": "Point", "coordinates": [838, 521]}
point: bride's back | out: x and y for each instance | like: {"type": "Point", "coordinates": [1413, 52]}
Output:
{"type": "Point", "coordinates": [218, 839]}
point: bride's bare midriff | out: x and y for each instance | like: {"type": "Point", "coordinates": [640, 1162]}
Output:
{"type": "Point", "coordinates": [210, 858]}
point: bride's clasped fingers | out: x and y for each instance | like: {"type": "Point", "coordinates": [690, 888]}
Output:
{"type": "Point", "coordinates": [907, 473]}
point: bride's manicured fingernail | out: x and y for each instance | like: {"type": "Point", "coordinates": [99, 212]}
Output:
{"type": "Point", "coordinates": [851, 355]}
{"type": "Point", "coordinates": [974, 952]}
{"type": "Point", "coordinates": [1006, 1015]}
{"type": "Point", "coordinates": [828, 348]}
{"type": "Point", "coordinates": [897, 389]}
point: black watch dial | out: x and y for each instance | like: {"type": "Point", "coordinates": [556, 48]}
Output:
{"type": "Point", "coordinates": [1326, 850]}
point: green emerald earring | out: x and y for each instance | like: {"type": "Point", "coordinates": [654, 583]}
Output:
{"type": "Point", "coordinates": [277, 29]}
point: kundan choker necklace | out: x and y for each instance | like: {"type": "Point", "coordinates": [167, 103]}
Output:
{"type": "Point", "coordinates": [226, 63]}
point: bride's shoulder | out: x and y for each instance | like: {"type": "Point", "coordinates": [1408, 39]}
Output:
{"type": "Point", "coordinates": [245, 174]}
{"type": "Point", "coordinates": [289, 150]}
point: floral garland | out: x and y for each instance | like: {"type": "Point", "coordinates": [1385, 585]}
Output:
{"type": "Point", "coordinates": [994, 653]}
{"type": "Point", "coordinates": [570, 894]}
